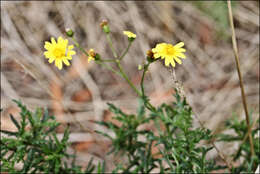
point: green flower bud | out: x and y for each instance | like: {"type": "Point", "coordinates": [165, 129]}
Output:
{"type": "Point", "coordinates": [106, 29]}
{"type": "Point", "coordinates": [97, 56]}
{"type": "Point", "coordinates": [69, 32]}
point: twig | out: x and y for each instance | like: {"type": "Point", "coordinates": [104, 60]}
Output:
{"type": "Point", "coordinates": [234, 43]}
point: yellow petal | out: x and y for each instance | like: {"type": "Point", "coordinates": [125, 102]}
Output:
{"type": "Point", "coordinates": [66, 62]}
{"type": "Point", "coordinates": [69, 57]}
{"type": "Point", "coordinates": [178, 45]}
{"type": "Point", "coordinates": [156, 55]}
{"type": "Point", "coordinates": [172, 63]}
{"type": "Point", "coordinates": [177, 60]}
{"type": "Point", "coordinates": [47, 45]}
{"type": "Point", "coordinates": [167, 62]}
{"type": "Point", "coordinates": [90, 58]}
{"type": "Point", "coordinates": [181, 55]}
{"type": "Point", "coordinates": [51, 59]}
{"type": "Point", "coordinates": [47, 54]}
{"type": "Point", "coordinates": [129, 34]}
{"type": "Point", "coordinates": [60, 40]}
{"type": "Point", "coordinates": [53, 41]}
{"type": "Point", "coordinates": [181, 50]}
{"type": "Point", "coordinates": [70, 47]}
{"type": "Point", "coordinates": [58, 63]}
{"type": "Point", "coordinates": [70, 53]}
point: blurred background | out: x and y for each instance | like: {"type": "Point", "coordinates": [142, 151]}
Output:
{"type": "Point", "coordinates": [79, 93]}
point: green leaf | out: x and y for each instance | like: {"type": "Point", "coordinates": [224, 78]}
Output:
{"type": "Point", "coordinates": [45, 115]}
{"type": "Point", "coordinates": [90, 167]}
{"type": "Point", "coordinates": [9, 133]}
{"type": "Point", "coordinates": [15, 122]}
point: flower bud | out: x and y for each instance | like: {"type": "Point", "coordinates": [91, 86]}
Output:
{"type": "Point", "coordinates": [150, 57]}
{"type": "Point", "coordinates": [106, 29]}
{"type": "Point", "coordinates": [69, 32]}
{"type": "Point", "coordinates": [92, 53]}
{"type": "Point", "coordinates": [103, 23]}
{"type": "Point", "coordinates": [149, 53]}
{"type": "Point", "coordinates": [104, 26]}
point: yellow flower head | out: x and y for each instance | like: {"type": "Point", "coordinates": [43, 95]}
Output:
{"type": "Point", "coordinates": [129, 34]}
{"type": "Point", "coordinates": [169, 52]}
{"type": "Point", "coordinates": [59, 51]}
{"type": "Point", "coordinates": [91, 54]}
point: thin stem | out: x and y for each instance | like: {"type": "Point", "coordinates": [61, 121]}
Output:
{"type": "Point", "coordinates": [108, 67]}
{"type": "Point", "coordinates": [78, 46]}
{"type": "Point", "coordinates": [97, 61]}
{"type": "Point", "coordinates": [142, 81]}
{"type": "Point", "coordinates": [234, 43]}
{"type": "Point", "coordinates": [123, 55]}
{"type": "Point", "coordinates": [127, 79]}
{"type": "Point", "coordinates": [147, 103]}
{"type": "Point", "coordinates": [111, 45]}
{"type": "Point", "coordinates": [107, 60]}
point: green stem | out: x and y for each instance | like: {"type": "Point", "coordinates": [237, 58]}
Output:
{"type": "Point", "coordinates": [79, 47]}
{"type": "Point", "coordinates": [147, 103]}
{"type": "Point", "coordinates": [107, 60]}
{"type": "Point", "coordinates": [142, 81]}
{"type": "Point", "coordinates": [123, 55]}
{"type": "Point", "coordinates": [97, 61]}
{"type": "Point", "coordinates": [127, 79]}
{"type": "Point", "coordinates": [111, 45]}
{"type": "Point", "coordinates": [109, 68]}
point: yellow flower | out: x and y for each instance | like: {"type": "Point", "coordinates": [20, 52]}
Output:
{"type": "Point", "coordinates": [91, 54]}
{"type": "Point", "coordinates": [169, 52]}
{"type": "Point", "coordinates": [129, 34]}
{"type": "Point", "coordinates": [60, 52]}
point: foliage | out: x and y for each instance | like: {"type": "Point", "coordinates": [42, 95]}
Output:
{"type": "Point", "coordinates": [178, 142]}
{"type": "Point", "coordinates": [249, 163]}
{"type": "Point", "coordinates": [35, 145]}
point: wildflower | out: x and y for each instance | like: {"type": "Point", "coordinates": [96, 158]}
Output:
{"type": "Point", "coordinates": [59, 51]}
{"type": "Point", "coordinates": [169, 52]}
{"type": "Point", "coordinates": [131, 36]}
{"type": "Point", "coordinates": [91, 54]}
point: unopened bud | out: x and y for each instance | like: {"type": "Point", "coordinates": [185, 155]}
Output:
{"type": "Point", "coordinates": [103, 23]}
{"type": "Point", "coordinates": [104, 26]}
{"type": "Point", "coordinates": [106, 29]}
{"type": "Point", "coordinates": [69, 32]}
{"type": "Point", "coordinates": [92, 53]}
{"type": "Point", "coordinates": [150, 56]}
{"type": "Point", "coordinates": [149, 53]}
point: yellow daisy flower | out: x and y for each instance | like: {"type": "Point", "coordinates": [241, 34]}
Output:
{"type": "Point", "coordinates": [169, 52]}
{"type": "Point", "coordinates": [59, 51]}
{"type": "Point", "coordinates": [129, 34]}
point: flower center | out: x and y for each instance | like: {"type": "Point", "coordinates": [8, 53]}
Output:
{"type": "Point", "coordinates": [169, 50]}
{"type": "Point", "coordinates": [58, 53]}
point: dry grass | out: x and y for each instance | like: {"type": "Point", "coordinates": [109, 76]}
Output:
{"type": "Point", "coordinates": [82, 90]}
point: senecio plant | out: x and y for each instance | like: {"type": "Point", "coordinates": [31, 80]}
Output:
{"type": "Point", "coordinates": [173, 145]}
